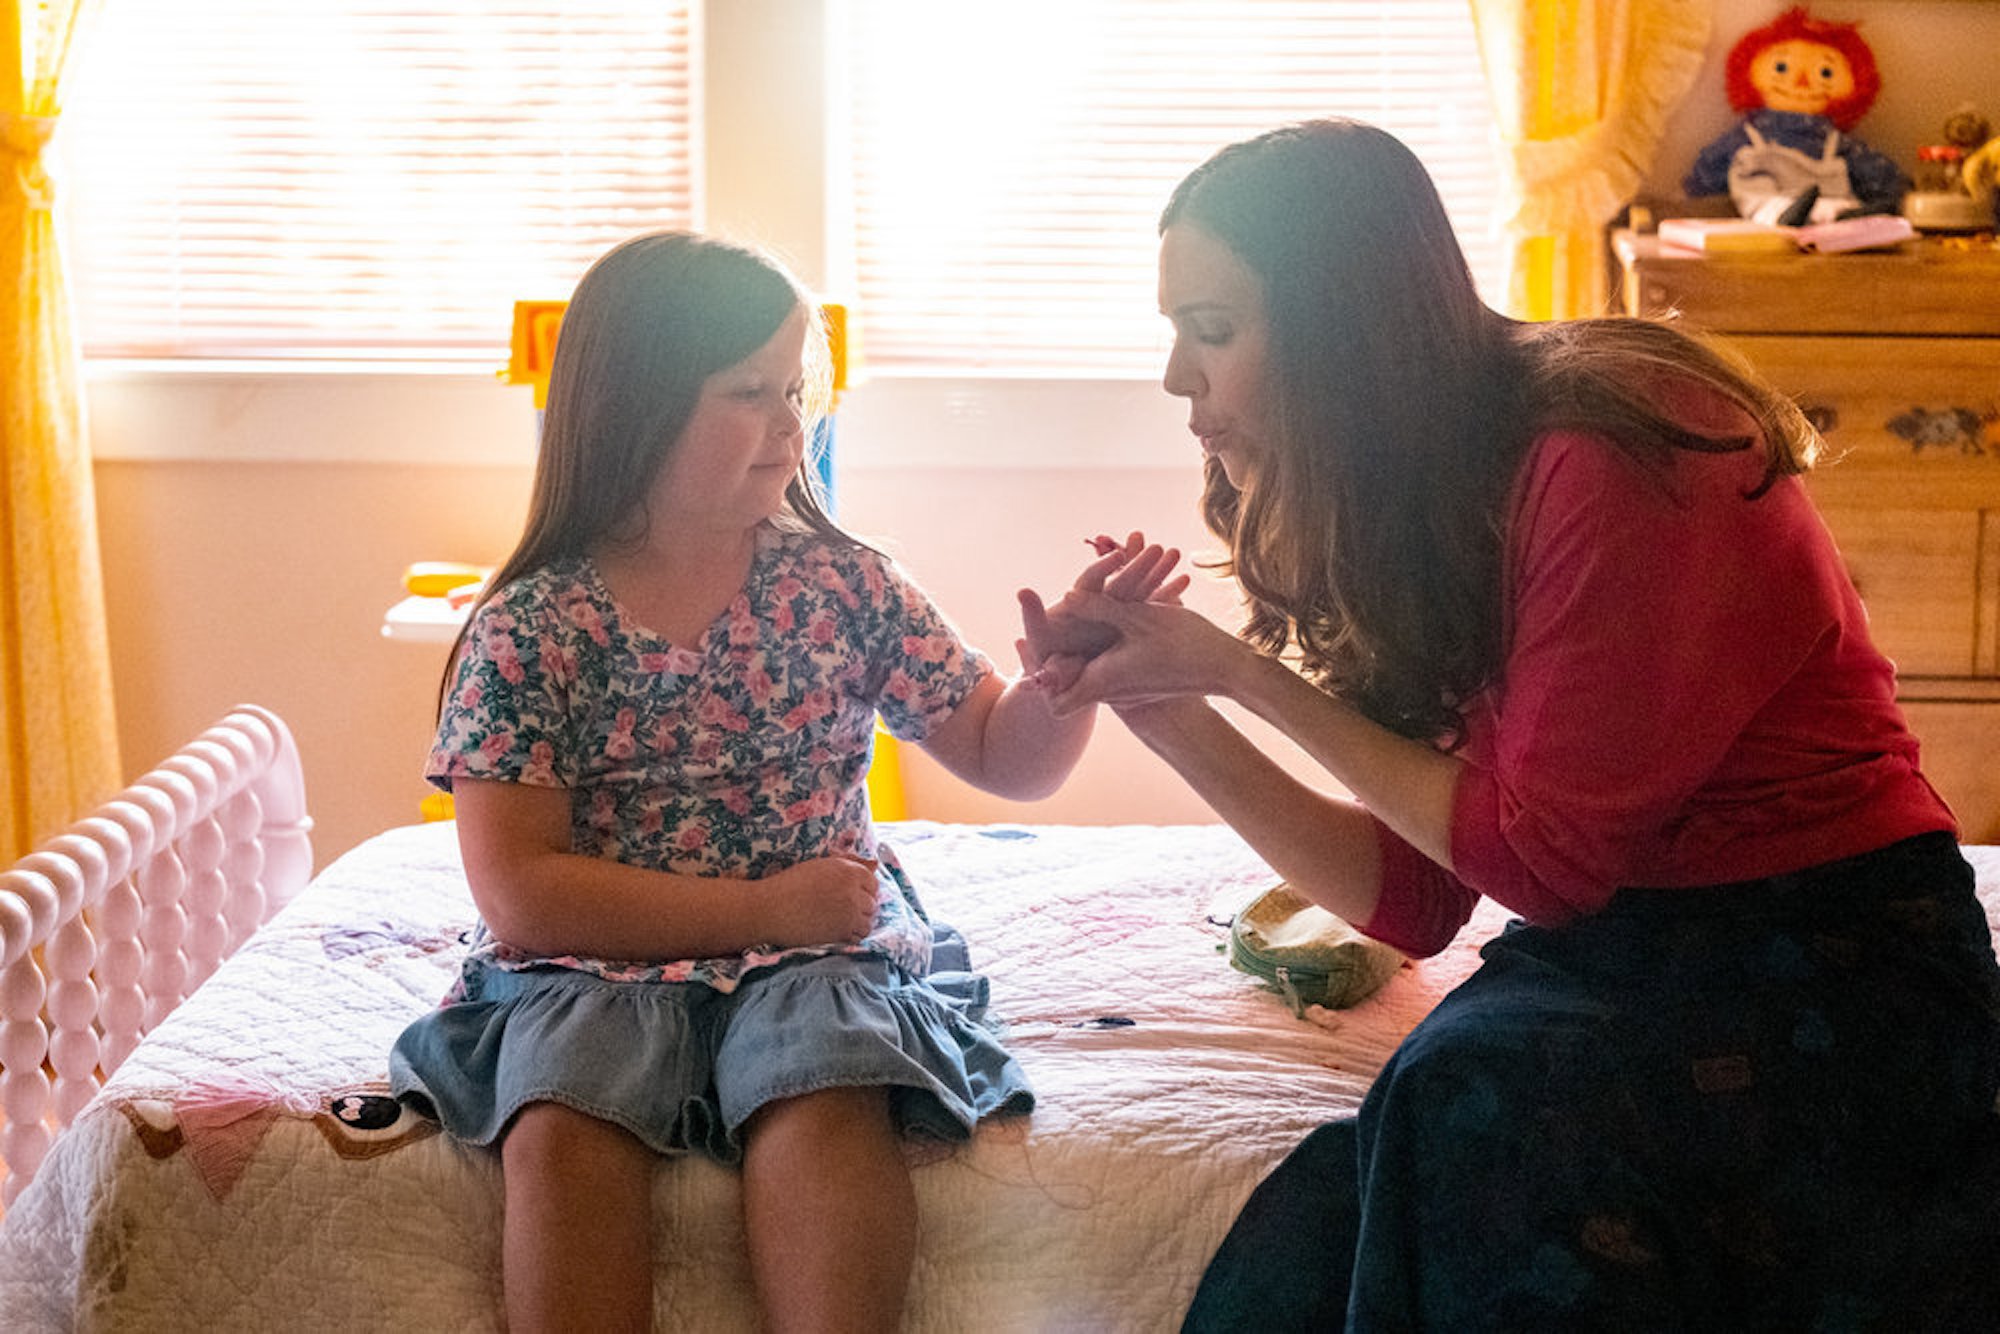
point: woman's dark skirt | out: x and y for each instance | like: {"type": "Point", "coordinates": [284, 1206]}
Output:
{"type": "Point", "coordinates": [1766, 1106]}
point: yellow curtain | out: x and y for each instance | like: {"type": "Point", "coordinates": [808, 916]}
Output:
{"type": "Point", "coordinates": [58, 734]}
{"type": "Point", "coordinates": [1581, 92]}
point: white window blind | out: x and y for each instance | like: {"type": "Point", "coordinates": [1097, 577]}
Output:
{"type": "Point", "coordinates": [1010, 161]}
{"type": "Point", "coordinates": [360, 178]}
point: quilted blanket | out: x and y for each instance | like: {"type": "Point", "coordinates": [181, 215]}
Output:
{"type": "Point", "coordinates": [244, 1170]}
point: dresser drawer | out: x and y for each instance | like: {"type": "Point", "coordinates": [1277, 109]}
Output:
{"type": "Point", "coordinates": [1919, 572]}
{"type": "Point", "coordinates": [1926, 289]}
{"type": "Point", "coordinates": [1910, 422]}
{"type": "Point", "coordinates": [1897, 356]}
{"type": "Point", "coordinates": [1910, 485]}
{"type": "Point", "coordinates": [1958, 740]}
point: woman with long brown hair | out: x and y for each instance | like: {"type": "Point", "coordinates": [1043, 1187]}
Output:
{"type": "Point", "coordinates": [1552, 606]}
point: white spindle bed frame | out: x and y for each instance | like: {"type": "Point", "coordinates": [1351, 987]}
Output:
{"type": "Point", "coordinates": [109, 925]}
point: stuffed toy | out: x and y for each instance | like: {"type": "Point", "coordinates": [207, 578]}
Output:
{"type": "Point", "coordinates": [1979, 169]}
{"type": "Point", "coordinates": [1803, 83]}
{"type": "Point", "coordinates": [1982, 177]}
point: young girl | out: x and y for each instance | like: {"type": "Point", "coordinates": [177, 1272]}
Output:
{"type": "Point", "coordinates": [656, 732]}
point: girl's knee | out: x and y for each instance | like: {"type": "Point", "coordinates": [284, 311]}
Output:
{"type": "Point", "coordinates": [830, 1111]}
{"type": "Point", "coordinates": [787, 1139]}
{"type": "Point", "coordinates": [550, 1123]}
{"type": "Point", "coordinates": [552, 1133]}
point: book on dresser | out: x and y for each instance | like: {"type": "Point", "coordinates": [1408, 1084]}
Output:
{"type": "Point", "coordinates": [1742, 236]}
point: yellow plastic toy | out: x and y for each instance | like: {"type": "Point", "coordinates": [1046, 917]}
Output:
{"type": "Point", "coordinates": [436, 578]}
{"type": "Point", "coordinates": [532, 349]}
{"type": "Point", "coordinates": [886, 799]}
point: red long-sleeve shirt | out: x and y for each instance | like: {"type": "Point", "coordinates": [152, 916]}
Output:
{"type": "Point", "coordinates": [1690, 697]}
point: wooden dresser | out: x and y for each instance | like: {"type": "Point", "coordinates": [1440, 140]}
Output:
{"type": "Point", "coordinates": [1896, 357]}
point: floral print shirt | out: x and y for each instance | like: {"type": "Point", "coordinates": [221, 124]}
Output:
{"type": "Point", "coordinates": [737, 755]}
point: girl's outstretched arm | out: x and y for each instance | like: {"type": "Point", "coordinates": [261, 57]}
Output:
{"type": "Point", "coordinates": [1004, 738]}
{"type": "Point", "coordinates": [536, 894]}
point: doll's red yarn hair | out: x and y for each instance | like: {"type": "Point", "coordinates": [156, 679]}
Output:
{"type": "Point", "coordinates": [1796, 24]}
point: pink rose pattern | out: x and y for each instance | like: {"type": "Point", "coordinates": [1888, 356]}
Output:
{"type": "Point", "coordinates": [735, 756]}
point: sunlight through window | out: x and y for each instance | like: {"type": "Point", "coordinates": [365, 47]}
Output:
{"type": "Point", "coordinates": [1010, 162]}
{"type": "Point", "coordinates": [361, 178]}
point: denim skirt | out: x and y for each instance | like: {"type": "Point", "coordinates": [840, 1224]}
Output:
{"type": "Point", "coordinates": [683, 1066]}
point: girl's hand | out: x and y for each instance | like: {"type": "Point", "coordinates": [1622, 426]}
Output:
{"type": "Point", "coordinates": [825, 901]}
{"type": "Point", "coordinates": [1134, 570]}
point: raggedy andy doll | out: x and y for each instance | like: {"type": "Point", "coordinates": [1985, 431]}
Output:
{"type": "Point", "coordinates": [1803, 82]}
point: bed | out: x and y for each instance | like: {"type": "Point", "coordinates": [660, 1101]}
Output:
{"type": "Point", "coordinates": [225, 1158]}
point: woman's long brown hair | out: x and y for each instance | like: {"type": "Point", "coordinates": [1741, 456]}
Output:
{"type": "Point", "coordinates": [1371, 542]}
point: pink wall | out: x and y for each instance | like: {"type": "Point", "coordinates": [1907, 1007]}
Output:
{"type": "Point", "coordinates": [266, 582]}
{"type": "Point", "coordinates": [255, 525]}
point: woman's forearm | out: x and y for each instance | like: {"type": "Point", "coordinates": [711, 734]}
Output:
{"type": "Point", "coordinates": [1407, 784]}
{"type": "Point", "coordinates": [1172, 654]}
{"type": "Point", "coordinates": [1323, 845]}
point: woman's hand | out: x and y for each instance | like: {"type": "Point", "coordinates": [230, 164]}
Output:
{"type": "Point", "coordinates": [825, 901]}
{"type": "Point", "coordinates": [1156, 651]}
{"type": "Point", "coordinates": [1056, 643]}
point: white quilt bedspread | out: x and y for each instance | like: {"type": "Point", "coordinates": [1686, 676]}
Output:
{"type": "Point", "coordinates": [242, 1170]}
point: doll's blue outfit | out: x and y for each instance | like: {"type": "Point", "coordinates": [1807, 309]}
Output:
{"type": "Point", "coordinates": [1794, 148]}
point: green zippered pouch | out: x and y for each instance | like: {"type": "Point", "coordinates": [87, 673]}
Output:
{"type": "Point", "coordinates": [1307, 954]}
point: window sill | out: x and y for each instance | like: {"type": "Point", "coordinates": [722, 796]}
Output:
{"type": "Point", "coordinates": [460, 415]}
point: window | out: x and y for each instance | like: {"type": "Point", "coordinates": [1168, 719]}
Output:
{"type": "Point", "coordinates": [361, 178]}
{"type": "Point", "coordinates": [1010, 161]}
{"type": "Point", "coordinates": [373, 179]}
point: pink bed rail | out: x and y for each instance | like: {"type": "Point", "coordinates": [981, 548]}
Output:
{"type": "Point", "coordinates": [109, 925]}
